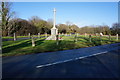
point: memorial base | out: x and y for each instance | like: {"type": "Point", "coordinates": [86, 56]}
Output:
{"type": "Point", "coordinates": [54, 32]}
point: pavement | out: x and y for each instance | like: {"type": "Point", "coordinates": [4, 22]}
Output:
{"type": "Point", "coordinates": [92, 62]}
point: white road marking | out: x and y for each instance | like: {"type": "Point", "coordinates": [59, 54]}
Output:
{"type": "Point", "coordinates": [70, 60]}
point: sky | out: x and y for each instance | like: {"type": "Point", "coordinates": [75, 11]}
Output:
{"type": "Point", "coordinates": [62, 0]}
{"type": "Point", "coordinates": [79, 13]}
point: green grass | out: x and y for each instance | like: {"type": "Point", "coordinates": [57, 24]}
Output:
{"type": "Point", "coordinates": [9, 37]}
{"type": "Point", "coordinates": [21, 47]}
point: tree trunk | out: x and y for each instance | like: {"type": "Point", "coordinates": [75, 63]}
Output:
{"type": "Point", "coordinates": [4, 33]}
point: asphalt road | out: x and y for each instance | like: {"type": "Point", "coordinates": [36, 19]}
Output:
{"type": "Point", "coordinates": [98, 66]}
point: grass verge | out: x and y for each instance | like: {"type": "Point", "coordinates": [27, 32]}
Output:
{"type": "Point", "coordinates": [21, 47]}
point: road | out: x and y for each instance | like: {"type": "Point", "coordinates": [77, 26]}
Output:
{"type": "Point", "coordinates": [104, 65]}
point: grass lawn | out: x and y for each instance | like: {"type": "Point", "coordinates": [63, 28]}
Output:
{"type": "Point", "coordinates": [9, 37]}
{"type": "Point", "coordinates": [23, 36]}
{"type": "Point", "coordinates": [21, 47]}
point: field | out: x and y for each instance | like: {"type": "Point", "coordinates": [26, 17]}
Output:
{"type": "Point", "coordinates": [22, 47]}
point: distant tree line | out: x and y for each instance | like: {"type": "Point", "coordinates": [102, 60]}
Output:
{"type": "Point", "coordinates": [36, 25]}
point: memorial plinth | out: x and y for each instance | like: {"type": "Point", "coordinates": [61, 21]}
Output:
{"type": "Point", "coordinates": [54, 32]}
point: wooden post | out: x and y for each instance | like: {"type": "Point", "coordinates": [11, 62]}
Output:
{"type": "Point", "coordinates": [65, 34]}
{"type": "Point", "coordinates": [29, 35]}
{"type": "Point", "coordinates": [77, 34]}
{"type": "Point", "coordinates": [75, 38]}
{"type": "Point", "coordinates": [85, 34]}
{"type": "Point", "coordinates": [46, 34]}
{"type": "Point", "coordinates": [100, 38]}
{"type": "Point", "coordinates": [116, 37]}
{"type": "Point", "coordinates": [70, 34]}
{"type": "Point", "coordinates": [14, 37]}
{"type": "Point", "coordinates": [96, 34]}
{"type": "Point", "coordinates": [59, 36]}
{"type": "Point", "coordinates": [109, 37]}
{"type": "Point", "coordinates": [38, 35]}
{"type": "Point", "coordinates": [57, 40]}
{"type": "Point", "coordinates": [90, 38]}
{"type": "Point", "coordinates": [33, 42]}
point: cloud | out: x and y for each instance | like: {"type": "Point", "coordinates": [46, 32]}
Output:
{"type": "Point", "coordinates": [80, 24]}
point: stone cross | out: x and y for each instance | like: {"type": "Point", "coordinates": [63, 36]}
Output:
{"type": "Point", "coordinates": [54, 18]}
{"type": "Point", "coordinates": [54, 30]}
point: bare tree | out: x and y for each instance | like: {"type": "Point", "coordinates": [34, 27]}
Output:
{"type": "Point", "coordinates": [68, 23]}
{"type": "Point", "coordinates": [6, 14]}
{"type": "Point", "coordinates": [115, 28]}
